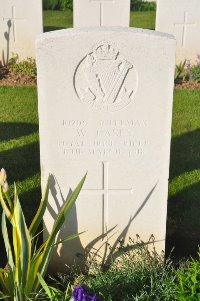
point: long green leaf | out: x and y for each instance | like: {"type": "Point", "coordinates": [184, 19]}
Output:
{"type": "Point", "coordinates": [18, 294]}
{"type": "Point", "coordinates": [64, 212]}
{"type": "Point", "coordinates": [45, 286]}
{"type": "Point", "coordinates": [4, 206]}
{"type": "Point", "coordinates": [16, 240]}
{"type": "Point", "coordinates": [68, 238]}
{"type": "Point", "coordinates": [25, 242]}
{"type": "Point", "coordinates": [34, 267]}
{"type": "Point", "coordinates": [9, 201]}
{"type": "Point", "coordinates": [21, 246]}
{"type": "Point", "coordinates": [8, 277]}
{"type": "Point", "coordinates": [40, 212]}
{"type": "Point", "coordinates": [7, 242]}
{"type": "Point", "coordinates": [57, 225]}
{"type": "Point", "coordinates": [73, 236]}
{"type": "Point", "coordinates": [21, 279]}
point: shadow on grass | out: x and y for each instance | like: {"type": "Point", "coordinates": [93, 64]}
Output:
{"type": "Point", "coordinates": [14, 130]}
{"type": "Point", "coordinates": [21, 163]}
{"type": "Point", "coordinates": [52, 28]}
{"type": "Point", "coordinates": [185, 153]}
{"type": "Point", "coordinates": [183, 224]}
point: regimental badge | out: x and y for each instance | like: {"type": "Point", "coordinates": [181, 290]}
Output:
{"type": "Point", "coordinates": [105, 80]}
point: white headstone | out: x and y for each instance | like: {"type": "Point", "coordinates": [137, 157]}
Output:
{"type": "Point", "coordinates": [105, 106]}
{"type": "Point", "coordinates": [182, 19]}
{"type": "Point", "coordinates": [90, 13]}
{"type": "Point", "coordinates": [20, 22]}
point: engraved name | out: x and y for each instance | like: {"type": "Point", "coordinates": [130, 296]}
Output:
{"type": "Point", "coordinates": [107, 123]}
{"type": "Point", "coordinates": [114, 137]}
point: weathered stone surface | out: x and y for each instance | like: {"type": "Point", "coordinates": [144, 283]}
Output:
{"type": "Point", "coordinates": [105, 106]}
{"type": "Point", "coordinates": [101, 13]}
{"type": "Point", "coordinates": [181, 18]}
{"type": "Point", "coordinates": [20, 22]}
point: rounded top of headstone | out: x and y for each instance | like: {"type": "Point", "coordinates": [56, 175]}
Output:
{"type": "Point", "coordinates": [114, 30]}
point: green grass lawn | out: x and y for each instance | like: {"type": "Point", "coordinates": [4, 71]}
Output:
{"type": "Point", "coordinates": [184, 189]}
{"type": "Point", "coordinates": [143, 19]}
{"type": "Point", "coordinates": [54, 20]}
{"type": "Point", "coordinates": [19, 145]}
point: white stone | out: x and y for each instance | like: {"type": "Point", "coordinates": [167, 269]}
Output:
{"type": "Point", "coordinates": [182, 19]}
{"type": "Point", "coordinates": [101, 13]}
{"type": "Point", "coordinates": [20, 22]}
{"type": "Point", "coordinates": [105, 106]}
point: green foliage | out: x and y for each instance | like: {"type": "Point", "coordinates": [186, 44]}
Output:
{"type": "Point", "coordinates": [189, 281]}
{"type": "Point", "coordinates": [50, 4]}
{"type": "Point", "coordinates": [19, 280]}
{"type": "Point", "coordinates": [188, 71]}
{"type": "Point", "coordinates": [66, 4]}
{"type": "Point", "coordinates": [54, 293]}
{"type": "Point", "coordinates": [194, 70]}
{"type": "Point", "coordinates": [136, 5]}
{"type": "Point", "coordinates": [58, 4]}
{"type": "Point", "coordinates": [195, 73]}
{"type": "Point", "coordinates": [141, 5]}
{"type": "Point", "coordinates": [27, 66]}
{"type": "Point", "coordinates": [180, 72]}
{"type": "Point", "coordinates": [137, 274]}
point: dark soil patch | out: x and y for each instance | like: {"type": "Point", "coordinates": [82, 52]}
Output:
{"type": "Point", "coordinates": [187, 85]}
{"type": "Point", "coordinates": [10, 77]}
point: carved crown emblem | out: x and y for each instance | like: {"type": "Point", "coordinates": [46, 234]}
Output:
{"type": "Point", "coordinates": [101, 78]}
{"type": "Point", "coordinates": [105, 52]}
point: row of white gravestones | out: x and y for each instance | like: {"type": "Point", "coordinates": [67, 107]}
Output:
{"type": "Point", "coordinates": [20, 22]}
{"type": "Point", "coordinates": [182, 19]}
{"type": "Point", "coordinates": [101, 13]}
{"type": "Point", "coordinates": [105, 106]}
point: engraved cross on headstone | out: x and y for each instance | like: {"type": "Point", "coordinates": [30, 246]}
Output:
{"type": "Point", "coordinates": [184, 25]}
{"type": "Point", "coordinates": [101, 4]}
{"type": "Point", "coordinates": [13, 19]}
{"type": "Point", "coordinates": [105, 191]}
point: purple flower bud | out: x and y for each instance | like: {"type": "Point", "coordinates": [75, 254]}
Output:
{"type": "Point", "coordinates": [188, 64]}
{"type": "Point", "coordinates": [81, 293]}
